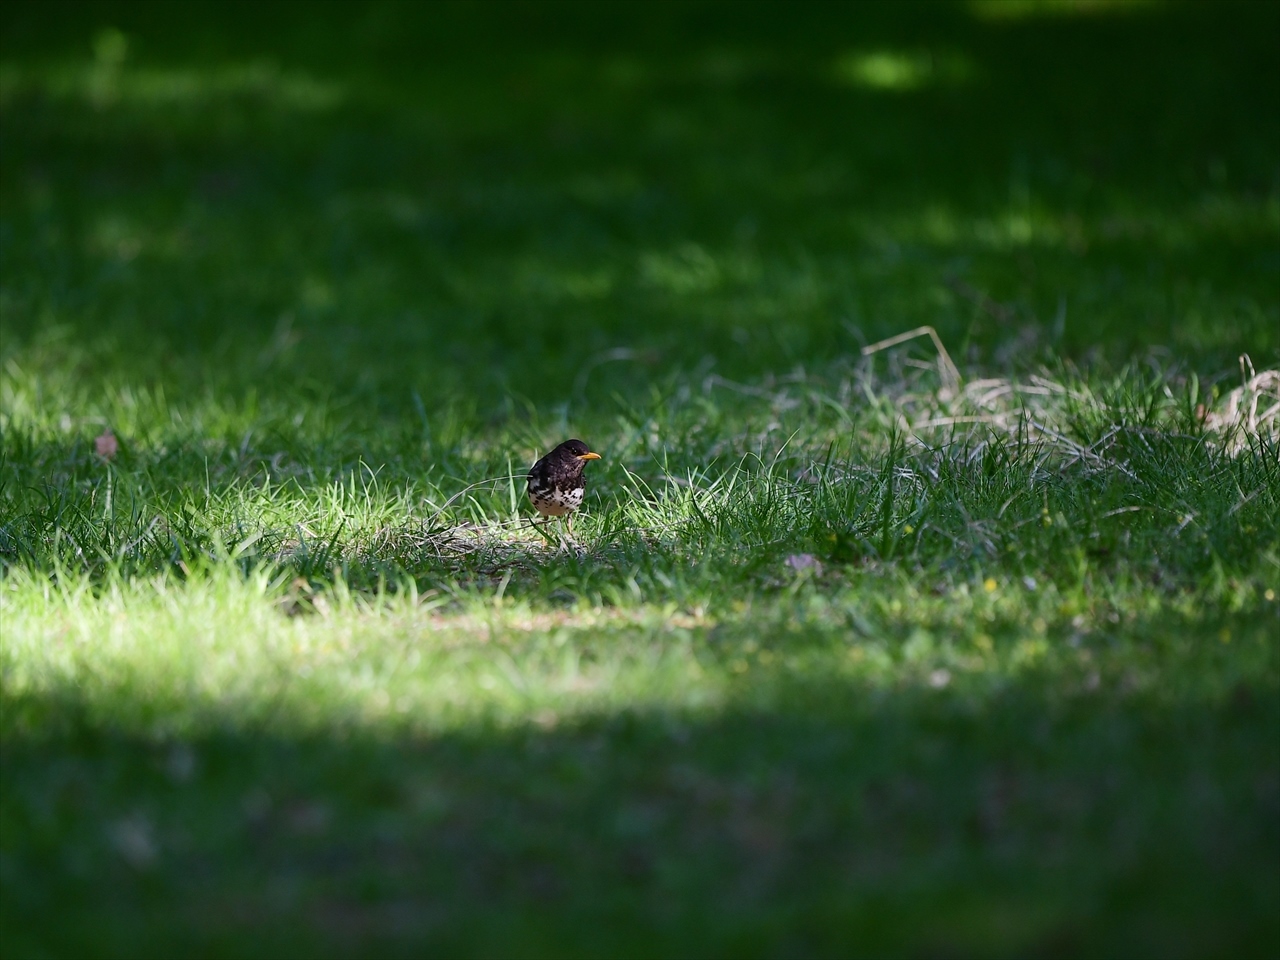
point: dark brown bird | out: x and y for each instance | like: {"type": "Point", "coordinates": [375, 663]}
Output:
{"type": "Point", "coordinates": [555, 482]}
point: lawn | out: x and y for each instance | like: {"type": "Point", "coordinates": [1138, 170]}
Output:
{"type": "Point", "coordinates": [966, 646]}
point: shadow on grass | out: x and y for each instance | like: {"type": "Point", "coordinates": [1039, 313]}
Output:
{"type": "Point", "coordinates": [673, 183]}
{"type": "Point", "coordinates": [823, 817]}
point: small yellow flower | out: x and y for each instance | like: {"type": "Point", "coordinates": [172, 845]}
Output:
{"type": "Point", "coordinates": [1270, 595]}
{"type": "Point", "coordinates": [908, 529]}
{"type": "Point", "coordinates": [989, 584]}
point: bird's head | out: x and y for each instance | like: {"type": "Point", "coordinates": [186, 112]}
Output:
{"type": "Point", "coordinates": [576, 450]}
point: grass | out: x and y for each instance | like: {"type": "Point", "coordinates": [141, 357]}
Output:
{"type": "Point", "coordinates": [851, 652]}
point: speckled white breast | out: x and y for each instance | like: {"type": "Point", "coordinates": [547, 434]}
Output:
{"type": "Point", "coordinates": [556, 502]}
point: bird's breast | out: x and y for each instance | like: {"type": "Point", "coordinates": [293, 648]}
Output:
{"type": "Point", "coordinates": [555, 501]}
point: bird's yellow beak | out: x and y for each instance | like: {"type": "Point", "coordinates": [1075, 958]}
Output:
{"type": "Point", "coordinates": [589, 456]}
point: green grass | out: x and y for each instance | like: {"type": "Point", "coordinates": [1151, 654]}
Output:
{"type": "Point", "coordinates": [846, 656]}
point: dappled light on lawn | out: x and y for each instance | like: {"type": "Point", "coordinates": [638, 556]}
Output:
{"type": "Point", "coordinates": [109, 81]}
{"type": "Point", "coordinates": [899, 71]}
{"type": "Point", "coordinates": [923, 600]}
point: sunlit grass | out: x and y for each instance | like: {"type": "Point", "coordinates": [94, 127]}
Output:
{"type": "Point", "coordinates": [961, 645]}
{"type": "Point", "coordinates": [178, 659]}
{"type": "Point", "coordinates": [1040, 573]}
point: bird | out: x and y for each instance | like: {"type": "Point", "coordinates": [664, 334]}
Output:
{"type": "Point", "coordinates": [555, 481]}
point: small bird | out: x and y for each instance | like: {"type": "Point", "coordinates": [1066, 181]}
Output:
{"type": "Point", "coordinates": [555, 482]}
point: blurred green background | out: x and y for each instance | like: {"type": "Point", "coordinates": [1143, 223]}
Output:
{"type": "Point", "coordinates": [547, 200]}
